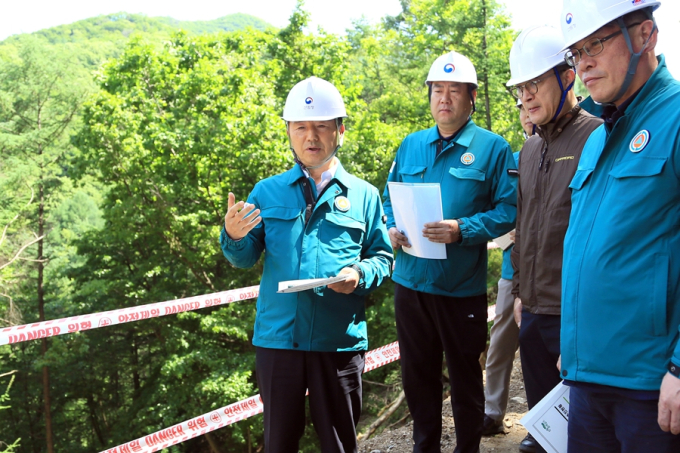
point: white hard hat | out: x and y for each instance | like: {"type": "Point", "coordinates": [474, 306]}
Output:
{"type": "Point", "coordinates": [314, 99]}
{"type": "Point", "coordinates": [452, 67]}
{"type": "Point", "coordinates": [581, 18]}
{"type": "Point", "coordinates": [536, 50]}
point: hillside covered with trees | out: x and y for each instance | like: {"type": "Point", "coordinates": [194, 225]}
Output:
{"type": "Point", "coordinates": [120, 137]}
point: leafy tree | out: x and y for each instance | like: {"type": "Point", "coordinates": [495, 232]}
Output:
{"type": "Point", "coordinates": [394, 59]}
{"type": "Point", "coordinates": [7, 448]}
{"type": "Point", "coordinates": [39, 101]}
{"type": "Point", "coordinates": [133, 215]}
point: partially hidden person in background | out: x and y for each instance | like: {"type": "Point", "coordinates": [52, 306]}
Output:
{"type": "Point", "coordinates": [504, 335]}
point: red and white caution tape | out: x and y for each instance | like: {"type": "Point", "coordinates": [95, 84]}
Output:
{"type": "Point", "coordinates": [230, 414]}
{"type": "Point", "coordinates": [192, 428]}
{"type": "Point", "coordinates": [381, 356]}
{"type": "Point", "coordinates": [27, 332]}
{"type": "Point", "coordinates": [238, 411]}
{"type": "Point", "coordinates": [196, 426]}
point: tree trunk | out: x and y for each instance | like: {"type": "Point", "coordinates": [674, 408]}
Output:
{"type": "Point", "coordinates": [136, 380]}
{"type": "Point", "coordinates": [485, 73]}
{"type": "Point", "coordinates": [41, 306]}
{"type": "Point", "coordinates": [213, 443]}
{"type": "Point", "coordinates": [93, 419]}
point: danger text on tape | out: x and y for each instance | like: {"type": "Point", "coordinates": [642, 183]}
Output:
{"type": "Point", "coordinates": [27, 332]}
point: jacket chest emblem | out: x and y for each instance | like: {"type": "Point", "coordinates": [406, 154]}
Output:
{"type": "Point", "coordinates": [640, 141]}
{"type": "Point", "coordinates": [467, 158]}
{"type": "Point", "coordinates": [342, 203]}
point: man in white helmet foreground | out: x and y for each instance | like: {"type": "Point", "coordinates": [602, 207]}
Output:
{"type": "Point", "coordinates": [313, 221]}
{"type": "Point", "coordinates": [543, 82]}
{"type": "Point", "coordinates": [440, 305]}
{"type": "Point", "coordinates": [621, 272]}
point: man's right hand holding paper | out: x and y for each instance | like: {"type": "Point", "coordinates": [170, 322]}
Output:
{"type": "Point", "coordinates": [398, 239]}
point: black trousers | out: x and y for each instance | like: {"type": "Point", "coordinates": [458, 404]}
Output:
{"type": "Point", "coordinates": [334, 383]}
{"type": "Point", "coordinates": [429, 326]}
{"type": "Point", "coordinates": [539, 349]}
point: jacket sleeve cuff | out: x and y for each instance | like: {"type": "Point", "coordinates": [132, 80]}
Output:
{"type": "Point", "coordinates": [228, 243]}
{"type": "Point", "coordinates": [463, 225]}
{"type": "Point", "coordinates": [675, 358]}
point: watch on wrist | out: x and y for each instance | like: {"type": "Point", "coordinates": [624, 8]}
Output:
{"type": "Point", "coordinates": [674, 369]}
{"type": "Point", "coordinates": [460, 231]}
{"type": "Point", "coordinates": [357, 268]}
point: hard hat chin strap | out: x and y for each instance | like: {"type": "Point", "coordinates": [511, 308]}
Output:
{"type": "Point", "coordinates": [470, 90]}
{"type": "Point", "coordinates": [634, 57]}
{"type": "Point", "coordinates": [565, 92]}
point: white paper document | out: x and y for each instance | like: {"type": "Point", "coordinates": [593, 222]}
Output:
{"type": "Point", "coordinates": [294, 286]}
{"type": "Point", "coordinates": [549, 419]}
{"type": "Point", "coordinates": [414, 205]}
{"type": "Point", "coordinates": [504, 241]}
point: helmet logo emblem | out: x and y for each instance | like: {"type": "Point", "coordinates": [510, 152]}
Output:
{"type": "Point", "coordinates": [449, 68]}
{"type": "Point", "coordinates": [570, 18]}
{"type": "Point", "coordinates": [638, 2]}
{"type": "Point", "coordinates": [640, 141]}
{"type": "Point", "coordinates": [309, 100]}
{"type": "Point", "coordinates": [467, 158]}
{"type": "Point", "coordinates": [342, 203]}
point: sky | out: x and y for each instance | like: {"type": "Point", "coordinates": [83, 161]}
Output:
{"type": "Point", "coordinates": [334, 16]}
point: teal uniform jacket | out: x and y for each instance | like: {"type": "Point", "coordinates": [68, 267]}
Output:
{"type": "Point", "coordinates": [592, 107]}
{"type": "Point", "coordinates": [507, 272]}
{"type": "Point", "coordinates": [479, 192]}
{"type": "Point", "coordinates": [621, 272]}
{"type": "Point", "coordinates": [346, 227]}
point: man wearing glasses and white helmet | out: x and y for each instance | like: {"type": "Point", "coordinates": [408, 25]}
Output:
{"type": "Point", "coordinates": [313, 221]}
{"type": "Point", "coordinates": [543, 82]}
{"type": "Point", "coordinates": [440, 305]}
{"type": "Point", "coordinates": [621, 275]}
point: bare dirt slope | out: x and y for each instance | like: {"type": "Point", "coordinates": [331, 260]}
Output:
{"type": "Point", "coordinates": [399, 440]}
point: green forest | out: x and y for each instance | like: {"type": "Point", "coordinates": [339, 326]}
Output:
{"type": "Point", "coordinates": [120, 138]}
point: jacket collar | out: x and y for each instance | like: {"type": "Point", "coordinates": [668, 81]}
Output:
{"type": "Point", "coordinates": [341, 176]}
{"type": "Point", "coordinates": [464, 138]}
{"type": "Point", "coordinates": [551, 131]}
{"type": "Point", "coordinates": [660, 79]}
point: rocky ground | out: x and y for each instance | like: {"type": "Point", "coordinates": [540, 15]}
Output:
{"type": "Point", "coordinates": [399, 440]}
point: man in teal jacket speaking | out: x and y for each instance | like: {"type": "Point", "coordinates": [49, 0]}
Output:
{"type": "Point", "coordinates": [440, 304]}
{"type": "Point", "coordinates": [621, 271]}
{"type": "Point", "coordinates": [313, 221]}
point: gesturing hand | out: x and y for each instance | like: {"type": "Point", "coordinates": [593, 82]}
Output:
{"type": "Point", "coordinates": [240, 218]}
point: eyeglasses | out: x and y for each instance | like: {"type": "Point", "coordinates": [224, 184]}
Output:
{"type": "Point", "coordinates": [531, 87]}
{"type": "Point", "coordinates": [592, 48]}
